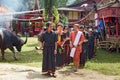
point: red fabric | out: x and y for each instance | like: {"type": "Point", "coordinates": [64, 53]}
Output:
{"type": "Point", "coordinates": [76, 57]}
{"type": "Point", "coordinates": [109, 12]}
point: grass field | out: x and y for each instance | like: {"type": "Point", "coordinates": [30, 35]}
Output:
{"type": "Point", "coordinates": [105, 62]}
{"type": "Point", "coordinates": [29, 56]}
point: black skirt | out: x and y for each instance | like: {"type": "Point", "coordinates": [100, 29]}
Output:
{"type": "Point", "coordinates": [48, 59]}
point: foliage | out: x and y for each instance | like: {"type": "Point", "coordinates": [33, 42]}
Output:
{"type": "Point", "coordinates": [41, 3]}
{"type": "Point", "coordinates": [78, 1]}
{"type": "Point", "coordinates": [56, 15]}
{"type": "Point", "coordinates": [48, 6]}
{"type": "Point", "coordinates": [64, 19]}
{"type": "Point", "coordinates": [61, 3]}
{"type": "Point", "coordinates": [50, 12]}
{"type": "Point", "coordinates": [58, 3]}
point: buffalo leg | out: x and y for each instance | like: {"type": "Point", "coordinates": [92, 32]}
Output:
{"type": "Point", "coordinates": [0, 53]}
{"type": "Point", "coordinates": [14, 54]}
{"type": "Point", "coordinates": [3, 56]}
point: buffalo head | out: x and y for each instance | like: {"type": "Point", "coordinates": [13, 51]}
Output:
{"type": "Point", "coordinates": [18, 47]}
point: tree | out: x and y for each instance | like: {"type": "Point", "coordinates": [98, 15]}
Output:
{"type": "Point", "coordinates": [61, 3]}
{"type": "Point", "coordinates": [48, 9]}
{"type": "Point", "coordinates": [41, 3]}
{"type": "Point", "coordinates": [57, 3]}
{"type": "Point", "coordinates": [78, 1]}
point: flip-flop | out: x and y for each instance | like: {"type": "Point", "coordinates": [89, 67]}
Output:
{"type": "Point", "coordinates": [53, 75]}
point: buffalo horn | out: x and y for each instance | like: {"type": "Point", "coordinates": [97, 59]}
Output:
{"type": "Point", "coordinates": [25, 40]}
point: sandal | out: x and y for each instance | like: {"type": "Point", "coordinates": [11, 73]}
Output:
{"type": "Point", "coordinates": [53, 75]}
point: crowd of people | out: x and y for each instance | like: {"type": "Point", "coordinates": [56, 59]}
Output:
{"type": "Point", "coordinates": [62, 46]}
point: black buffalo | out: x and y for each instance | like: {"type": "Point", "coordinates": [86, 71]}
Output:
{"type": "Point", "coordinates": [10, 40]}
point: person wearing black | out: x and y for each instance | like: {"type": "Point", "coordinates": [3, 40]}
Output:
{"type": "Point", "coordinates": [49, 47]}
{"type": "Point", "coordinates": [90, 44]}
{"type": "Point", "coordinates": [66, 46]}
{"type": "Point", "coordinates": [60, 55]}
{"type": "Point", "coordinates": [83, 55]}
{"type": "Point", "coordinates": [96, 37]}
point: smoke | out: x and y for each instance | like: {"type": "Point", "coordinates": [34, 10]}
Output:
{"type": "Point", "coordinates": [12, 6]}
{"type": "Point", "coordinates": [15, 5]}
{"type": "Point", "coordinates": [5, 20]}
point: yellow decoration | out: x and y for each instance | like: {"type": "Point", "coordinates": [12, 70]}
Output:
{"type": "Point", "coordinates": [59, 39]}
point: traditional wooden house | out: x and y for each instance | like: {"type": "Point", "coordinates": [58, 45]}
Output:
{"type": "Point", "coordinates": [109, 12]}
{"type": "Point", "coordinates": [30, 22]}
{"type": "Point", "coordinates": [111, 16]}
{"type": "Point", "coordinates": [74, 12]}
{"type": "Point", "coordinates": [81, 11]}
{"type": "Point", "coordinates": [73, 15]}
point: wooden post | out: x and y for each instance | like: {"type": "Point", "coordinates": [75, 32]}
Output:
{"type": "Point", "coordinates": [109, 30]}
{"type": "Point", "coordinates": [109, 26]}
{"type": "Point", "coordinates": [117, 30]}
{"type": "Point", "coordinates": [18, 27]}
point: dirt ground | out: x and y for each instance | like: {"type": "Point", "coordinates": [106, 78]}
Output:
{"type": "Point", "coordinates": [15, 72]}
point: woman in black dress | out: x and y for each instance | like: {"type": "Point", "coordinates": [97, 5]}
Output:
{"type": "Point", "coordinates": [66, 46]}
{"type": "Point", "coordinates": [60, 54]}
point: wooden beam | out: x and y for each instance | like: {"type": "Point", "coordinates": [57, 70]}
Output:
{"type": "Point", "coordinates": [117, 28]}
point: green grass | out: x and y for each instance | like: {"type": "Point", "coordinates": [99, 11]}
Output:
{"type": "Point", "coordinates": [105, 62]}
{"type": "Point", "coordinates": [29, 56]}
